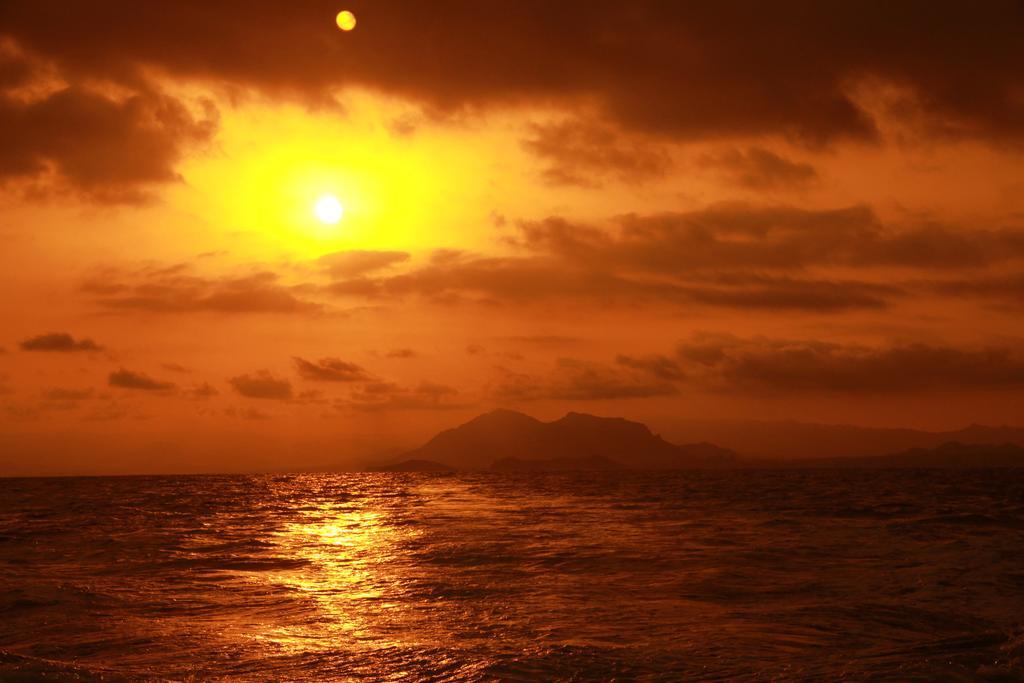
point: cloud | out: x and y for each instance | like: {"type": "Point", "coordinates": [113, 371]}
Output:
{"type": "Point", "coordinates": [502, 281]}
{"type": "Point", "coordinates": [753, 292]}
{"type": "Point", "coordinates": [65, 399]}
{"type": "Point", "coordinates": [729, 255]}
{"type": "Point", "coordinates": [172, 290]}
{"type": "Point", "coordinates": [680, 70]}
{"type": "Point", "coordinates": [330, 370]}
{"type": "Point", "coordinates": [402, 353]}
{"type": "Point", "coordinates": [741, 236]}
{"type": "Point", "coordinates": [59, 394]}
{"type": "Point", "coordinates": [383, 396]}
{"type": "Point", "coordinates": [659, 366]}
{"type": "Point", "coordinates": [1006, 290]}
{"type": "Point", "coordinates": [761, 169]}
{"type": "Point", "coordinates": [581, 153]}
{"type": "Point", "coordinates": [346, 264]}
{"type": "Point", "coordinates": [578, 380]}
{"type": "Point", "coordinates": [127, 379]}
{"type": "Point", "coordinates": [552, 340]}
{"type": "Point", "coordinates": [778, 366]}
{"type": "Point", "coordinates": [248, 414]}
{"type": "Point", "coordinates": [761, 366]}
{"type": "Point", "coordinates": [119, 146]}
{"type": "Point", "coordinates": [202, 391]}
{"type": "Point", "coordinates": [175, 367]}
{"type": "Point", "coordinates": [263, 385]}
{"type": "Point", "coordinates": [61, 342]}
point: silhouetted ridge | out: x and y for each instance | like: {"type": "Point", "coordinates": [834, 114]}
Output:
{"type": "Point", "coordinates": [413, 466]}
{"type": "Point", "coordinates": [789, 439]}
{"type": "Point", "coordinates": [591, 463]}
{"type": "Point", "coordinates": [509, 435]}
{"type": "Point", "coordinates": [949, 455]}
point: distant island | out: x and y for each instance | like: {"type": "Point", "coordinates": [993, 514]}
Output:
{"type": "Point", "coordinates": [789, 439]}
{"type": "Point", "coordinates": [595, 463]}
{"type": "Point", "coordinates": [952, 455]}
{"type": "Point", "coordinates": [413, 466]}
{"type": "Point", "coordinates": [510, 441]}
{"type": "Point", "coordinates": [505, 439]}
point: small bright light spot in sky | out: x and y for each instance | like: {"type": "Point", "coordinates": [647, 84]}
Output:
{"type": "Point", "coordinates": [346, 20]}
{"type": "Point", "coordinates": [328, 209]}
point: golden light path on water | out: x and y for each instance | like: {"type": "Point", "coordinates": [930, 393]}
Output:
{"type": "Point", "coordinates": [347, 551]}
{"type": "Point", "coordinates": [347, 561]}
{"type": "Point", "coordinates": [350, 559]}
{"type": "Point", "coordinates": [479, 577]}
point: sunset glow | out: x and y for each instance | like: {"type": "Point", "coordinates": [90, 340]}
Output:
{"type": "Point", "coordinates": [511, 340]}
{"type": "Point", "coordinates": [680, 231]}
{"type": "Point", "coordinates": [328, 209]}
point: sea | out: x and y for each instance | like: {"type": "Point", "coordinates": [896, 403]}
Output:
{"type": "Point", "coordinates": [810, 575]}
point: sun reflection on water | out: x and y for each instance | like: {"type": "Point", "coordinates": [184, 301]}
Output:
{"type": "Point", "coordinates": [346, 576]}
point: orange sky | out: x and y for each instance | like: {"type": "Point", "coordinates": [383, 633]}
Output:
{"type": "Point", "coordinates": [655, 210]}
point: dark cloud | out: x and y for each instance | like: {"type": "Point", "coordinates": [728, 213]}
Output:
{"type": "Point", "coordinates": [659, 366]}
{"type": "Point", "coordinates": [65, 399]}
{"type": "Point", "coordinates": [330, 370]}
{"type": "Point", "coordinates": [109, 412]}
{"type": "Point", "coordinates": [15, 68]}
{"type": "Point", "coordinates": [1006, 291]}
{"type": "Point", "coordinates": [739, 235]}
{"type": "Point", "coordinates": [730, 255]}
{"type": "Point", "coordinates": [761, 169]}
{"type": "Point", "coordinates": [174, 290]}
{"type": "Point", "coordinates": [377, 396]}
{"type": "Point", "coordinates": [248, 414]}
{"type": "Point", "coordinates": [481, 278]}
{"type": "Point", "coordinates": [127, 379]}
{"type": "Point", "coordinates": [583, 153]}
{"type": "Point", "coordinates": [311, 396]}
{"type": "Point", "coordinates": [725, 235]}
{"type": "Point", "coordinates": [59, 394]}
{"type": "Point", "coordinates": [552, 340]}
{"type": "Point", "coordinates": [346, 264]}
{"type": "Point", "coordinates": [175, 367]}
{"type": "Point", "coordinates": [578, 380]}
{"type": "Point", "coordinates": [938, 246]}
{"type": "Point", "coordinates": [402, 353]}
{"type": "Point", "coordinates": [108, 149]}
{"type": "Point", "coordinates": [680, 69]}
{"type": "Point", "coordinates": [263, 385]}
{"type": "Point", "coordinates": [202, 391]}
{"type": "Point", "coordinates": [770, 366]}
{"type": "Point", "coordinates": [501, 281]}
{"type": "Point", "coordinates": [754, 292]}
{"type": "Point", "coordinates": [59, 342]}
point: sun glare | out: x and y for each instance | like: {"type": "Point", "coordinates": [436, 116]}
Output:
{"type": "Point", "coordinates": [285, 161]}
{"type": "Point", "coordinates": [346, 20]}
{"type": "Point", "coordinates": [328, 209]}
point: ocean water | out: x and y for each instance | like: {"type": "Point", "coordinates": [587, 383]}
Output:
{"type": "Point", "coordinates": [806, 575]}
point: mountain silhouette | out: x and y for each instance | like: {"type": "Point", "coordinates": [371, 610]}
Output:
{"type": "Point", "coordinates": [509, 441]}
{"type": "Point", "coordinates": [954, 455]}
{"type": "Point", "coordinates": [571, 441]}
{"type": "Point", "coordinates": [790, 439]}
{"type": "Point", "coordinates": [596, 463]}
{"type": "Point", "coordinates": [412, 466]}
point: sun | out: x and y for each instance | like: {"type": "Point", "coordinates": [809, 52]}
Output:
{"type": "Point", "coordinates": [328, 209]}
{"type": "Point", "coordinates": [346, 20]}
